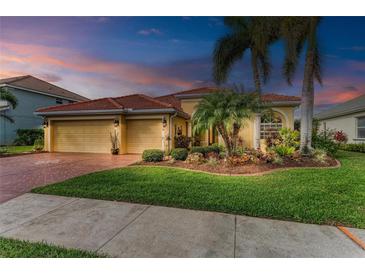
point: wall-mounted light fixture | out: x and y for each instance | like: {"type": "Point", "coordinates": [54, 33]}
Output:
{"type": "Point", "coordinates": [164, 122]}
{"type": "Point", "coordinates": [45, 122]}
{"type": "Point", "coordinates": [116, 122]}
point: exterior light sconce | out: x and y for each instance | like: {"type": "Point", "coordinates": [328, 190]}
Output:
{"type": "Point", "coordinates": [164, 122]}
{"type": "Point", "coordinates": [45, 123]}
{"type": "Point", "coordinates": [116, 122]}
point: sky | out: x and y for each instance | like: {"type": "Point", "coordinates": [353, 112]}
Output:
{"type": "Point", "coordinates": [114, 56]}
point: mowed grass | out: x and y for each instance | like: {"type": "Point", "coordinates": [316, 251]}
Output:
{"type": "Point", "coordinates": [10, 248]}
{"type": "Point", "coordinates": [322, 196]}
{"type": "Point", "coordinates": [18, 149]}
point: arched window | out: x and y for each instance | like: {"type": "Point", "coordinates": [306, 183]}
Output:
{"type": "Point", "coordinates": [271, 123]}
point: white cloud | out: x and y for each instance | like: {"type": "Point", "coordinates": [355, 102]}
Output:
{"type": "Point", "coordinates": [150, 31]}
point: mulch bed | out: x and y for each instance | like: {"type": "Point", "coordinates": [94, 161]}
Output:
{"type": "Point", "coordinates": [250, 168]}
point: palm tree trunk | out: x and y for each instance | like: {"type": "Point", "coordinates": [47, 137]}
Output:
{"type": "Point", "coordinates": [226, 139]}
{"type": "Point", "coordinates": [257, 118]}
{"type": "Point", "coordinates": [306, 123]}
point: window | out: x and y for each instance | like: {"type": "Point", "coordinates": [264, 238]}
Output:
{"type": "Point", "coordinates": [361, 127]}
{"type": "Point", "coordinates": [59, 101]}
{"type": "Point", "coordinates": [270, 123]}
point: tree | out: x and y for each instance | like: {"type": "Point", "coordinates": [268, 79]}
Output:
{"type": "Point", "coordinates": [11, 99]}
{"type": "Point", "coordinates": [226, 110]}
{"type": "Point", "coordinates": [254, 34]}
{"type": "Point", "coordinates": [298, 31]}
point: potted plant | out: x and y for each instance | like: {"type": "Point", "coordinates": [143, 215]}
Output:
{"type": "Point", "coordinates": [115, 143]}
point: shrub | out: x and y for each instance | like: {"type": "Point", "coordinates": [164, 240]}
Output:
{"type": "Point", "coordinates": [325, 140]}
{"type": "Point", "coordinates": [222, 155]}
{"type": "Point", "coordinates": [277, 160]}
{"type": "Point", "coordinates": [289, 138]}
{"type": "Point", "coordinates": [319, 155]}
{"type": "Point", "coordinates": [217, 148]}
{"type": "Point", "coordinates": [3, 150]}
{"type": "Point", "coordinates": [195, 158]}
{"type": "Point", "coordinates": [152, 155]}
{"type": "Point", "coordinates": [340, 137]}
{"type": "Point", "coordinates": [38, 144]}
{"type": "Point", "coordinates": [27, 137]}
{"type": "Point", "coordinates": [212, 161]}
{"type": "Point", "coordinates": [198, 149]}
{"type": "Point", "coordinates": [354, 147]}
{"type": "Point", "coordinates": [284, 150]}
{"type": "Point", "coordinates": [182, 141]}
{"type": "Point", "coordinates": [179, 154]}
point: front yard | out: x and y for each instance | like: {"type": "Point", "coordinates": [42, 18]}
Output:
{"type": "Point", "coordinates": [322, 196]}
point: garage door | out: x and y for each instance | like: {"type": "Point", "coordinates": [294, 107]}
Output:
{"type": "Point", "coordinates": [82, 136]}
{"type": "Point", "coordinates": [143, 134]}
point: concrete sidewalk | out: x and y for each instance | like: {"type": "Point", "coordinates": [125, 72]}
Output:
{"type": "Point", "coordinates": [131, 230]}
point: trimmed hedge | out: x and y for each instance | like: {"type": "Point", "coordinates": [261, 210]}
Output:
{"type": "Point", "coordinates": [27, 137]}
{"type": "Point", "coordinates": [354, 147]}
{"type": "Point", "coordinates": [152, 155]}
{"type": "Point", "coordinates": [205, 150]}
{"type": "Point", "coordinates": [179, 154]}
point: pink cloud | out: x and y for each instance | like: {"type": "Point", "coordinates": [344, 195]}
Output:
{"type": "Point", "coordinates": [31, 58]}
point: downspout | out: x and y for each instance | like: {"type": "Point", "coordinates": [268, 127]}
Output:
{"type": "Point", "coordinates": [170, 129]}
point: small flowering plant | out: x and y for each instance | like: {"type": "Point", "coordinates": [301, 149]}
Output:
{"type": "Point", "coordinates": [340, 137]}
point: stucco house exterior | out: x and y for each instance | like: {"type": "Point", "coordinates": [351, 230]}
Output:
{"type": "Point", "coordinates": [348, 117]}
{"type": "Point", "coordinates": [142, 122]}
{"type": "Point", "coordinates": [31, 93]}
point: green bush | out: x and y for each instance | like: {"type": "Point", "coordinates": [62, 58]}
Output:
{"type": "Point", "coordinates": [179, 154]}
{"type": "Point", "coordinates": [38, 144]}
{"type": "Point", "coordinates": [354, 147]}
{"type": "Point", "coordinates": [284, 150]}
{"type": "Point", "coordinates": [216, 148]}
{"type": "Point", "coordinates": [152, 155]}
{"type": "Point", "coordinates": [319, 155]}
{"type": "Point", "coordinates": [289, 137]}
{"type": "Point", "coordinates": [198, 149]}
{"type": "Point", "coordinates": [3, 150]}
{"type": "Point", "coordinates": [324, 140]}
{"type": "Point", "coordinates": [27, 137]}
{"type": "Point", "coordinates": [182, 141]}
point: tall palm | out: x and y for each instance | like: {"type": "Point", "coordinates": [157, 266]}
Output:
{"type": "Point", "coordinates": [253, 34]}
{"type": "Point", "coordinates": [226, 111]}
{"type": "Point", "coordinates": [11, 99]}
{"type": "Point", "coordinates": [297, 31]}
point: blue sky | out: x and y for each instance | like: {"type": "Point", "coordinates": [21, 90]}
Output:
{"type": "Point", "coordinates": [113, 56]}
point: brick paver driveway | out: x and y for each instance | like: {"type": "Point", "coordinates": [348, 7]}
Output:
{"type": "Point", "coordinates": [20, 174]}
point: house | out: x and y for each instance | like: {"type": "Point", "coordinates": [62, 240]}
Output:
{"type": "Point", "coordinates": [142, 122]}
{"type": "Point", "coordinates": [31, 93]}
{"type": "Point", "coordinates": [348, 117]}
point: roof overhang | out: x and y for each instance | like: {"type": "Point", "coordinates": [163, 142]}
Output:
{"type": "Point", "coordinates": [339, 114]}
{"type": "Point", "coordinates": [112, 111]}
{"type": "Point", "coordinates": [283, 103]}
{"type": "Point", "coordinates": [43, 93]}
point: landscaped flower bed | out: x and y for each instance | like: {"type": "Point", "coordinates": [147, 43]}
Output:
{"type": "Point", "coordinates": [251, 162]}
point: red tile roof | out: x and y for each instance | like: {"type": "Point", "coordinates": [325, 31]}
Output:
{"type": "Point", "coordinates": [204, 90]}
{"type": "Point", "coordinates": [135, 101]}
{"type": "Point", "coordinates": [141, 101]}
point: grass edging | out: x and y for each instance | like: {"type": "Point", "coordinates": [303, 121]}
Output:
{"type": "Point", "coordinates": [13, 248]}
{"type": "Point", "coordinates": [338, 165]}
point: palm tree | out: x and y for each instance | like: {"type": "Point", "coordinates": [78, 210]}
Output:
{"type": "Point", "coordinates": [297, 31]}
{"type": "Point", "coordinates": [254, 34]}
{"type": "Point", "coordinates": [11, 99]}
{"type": "Point", "coordinates": [226, 110]}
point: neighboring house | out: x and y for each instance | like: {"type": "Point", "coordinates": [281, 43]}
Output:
{"type": "Point", "coordinates": [32, 93]}
{"type": "Point", "coordinates": [348, 117]}
{"type": "Point", "coordinates": [143, 122]}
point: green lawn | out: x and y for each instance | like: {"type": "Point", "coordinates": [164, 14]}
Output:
{"type": "Point", "coordinates": [18, 149]}
{"type": "Point", "coordinates": [323, 196]}
{"type": "Point", "coordinates": [10, 248]}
